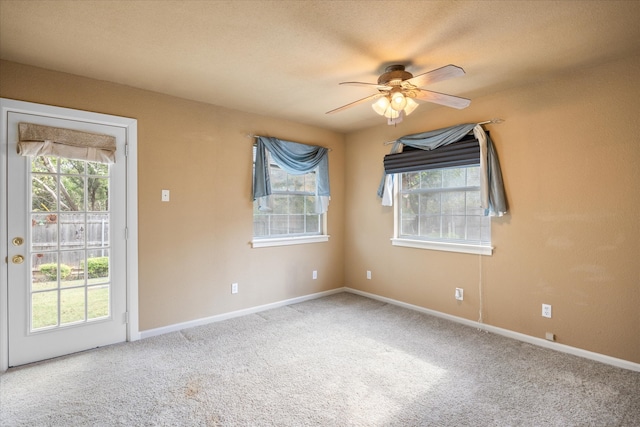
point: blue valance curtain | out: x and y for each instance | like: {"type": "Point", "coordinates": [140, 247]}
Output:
{"type": "Point", "coordinates": [296, 159]}
{"type": "Point", "coordinates": [491, 185]}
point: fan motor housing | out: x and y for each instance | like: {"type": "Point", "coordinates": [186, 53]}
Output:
{"type": "Point", "coordinates": [394, 72]}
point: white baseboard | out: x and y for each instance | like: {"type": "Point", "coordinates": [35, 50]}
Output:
{"type": "Point", "coordinates": [620, 363]}
{"type": "Point", "coordinates": [225, 316]}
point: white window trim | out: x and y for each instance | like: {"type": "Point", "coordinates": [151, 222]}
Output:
{"type": "Point", "coordinates": [443, 246]}
{"type": "Point", "coordinates": [466, 248]}
{"type": "Point", "coordinates": [286, 241]}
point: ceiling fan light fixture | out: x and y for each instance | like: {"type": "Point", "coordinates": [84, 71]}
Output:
{"type": "Point", "coordinates": [390, 113]}
{"type": "Point", "coordinates": [392, 121]}
{"type": "Point", "coordinates": [381, 105]}
{"type": "Point", "coordinates": [411, 106]}
{"type": "Point", "coordinates": [398, 101]}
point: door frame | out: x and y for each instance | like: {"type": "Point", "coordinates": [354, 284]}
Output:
{"type": "Point", "coordinates": [131, 129]}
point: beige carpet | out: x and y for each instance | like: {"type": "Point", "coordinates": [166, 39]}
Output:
{"type": "Point", "coordinates": [342, 360]}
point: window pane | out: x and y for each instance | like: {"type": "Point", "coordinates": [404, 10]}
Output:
{"type": "Point", "coordinates": [410, 203]}
{"type": "Point", "coordinates": [98, 169]}
{"type": "Point", "coordinates": [71, 268]}
{"type": "Point", "coordinates": [431, 179]}
{"type": "Point", "coordinates": [97, 302]}
{"type": "Point", "coordinates": [485, 230]}
{"type": "Point", "coordinates": [409, 226]}
{"type": "Point", "coordinates": [97, 266]}
{"type": "Point", "coordinates": [453, 177]}
{"type": "Point", "coordinates": [44, 271]}
{"type": "Point", "coordinates": [455, 214]}
{"type": "Point", "coordinates": [44, 164]}
{"type": "Point", "coordinates": [260, 225]}
{"type": "Point", "coordinates": [430, 227]}
{"type": "Point", "coordinates": [44, 309]}
{"type": "Point", "coordinates": [296, 183]}
{"type": "Point", "coordinates": [278, 179]}
{"type": "Point", "coordinates": [72, 305]}
{"type": "Point", "coordinates": [473, 203]}
{"type": "Point", "coordinates": [44, 193]}
{"type": "Point", "coordinates": [279, 225]}
{"type": "Point", "coordinates": [473, 176]}
{"type": "Point", "coordinates": [453, 227]}
{"type": "Point", "coordinates": [44, 232]}
{"type": "Point", "coordinates": [296, 224]}
{"type": "Point", "coordinates": [97, 230]}
{"type": "Point", "coordinates": [430, 203]}
{"type": "Point", "coordinates": [71, 193]}
{"type": "Point", "coordinates": [410, 180]}
{"type": "Point", "coordinates": [453, 202]}
{"type": "Point", "coordinates": [98, 194]}
{"type": "Point", "coordinates": [473, 228]}
{"type": "Point", "coordinates": [71, 167]}
{"type": "Point", "coordinates": [280, 204]}
{"type": "Point", "coordinates": [310, 182]}
{"type": "Point", "coordinates": [313, 224]}
{"type": "Point", "coordinates": [297, 204]}
{"type": "Point", "coordinates": [72, 230]}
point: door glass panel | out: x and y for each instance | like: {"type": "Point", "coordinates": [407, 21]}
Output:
{"type": "Point", "coordinates": [44, 268]}
{"type": "Point", "coordinates": [98, 266]}
{"type": "Point", "coordinates": [72, 193]}
{"type": "Point", "coordinates": [71, 268]}
{"type": "Point", "coordinates": [72, 228]}
{"type": "Point", "coordinates": [72, 167]}
{"type": "Point", "coordinates": [70, 244]}
{"type": "Point", "coordinates": [72, 305]}
{"type": "Point", "coordinates": [97, 230]}
{"type": "Point", "coordinates": [98, 302]}
{"type": "Point", "coordinates": [46, 314]}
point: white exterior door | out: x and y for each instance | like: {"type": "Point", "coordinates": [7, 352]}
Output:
{"type": "Point", "coordinates": [67, 281]}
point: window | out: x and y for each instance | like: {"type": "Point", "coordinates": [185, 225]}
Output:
{"type": "Point", "coordinates": [291, 218]}
{"type": "Point", "coordinates": [440, 209]}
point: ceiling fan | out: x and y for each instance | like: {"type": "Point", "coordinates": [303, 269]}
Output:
{"type": "Point", "coordinates": [397, 90]}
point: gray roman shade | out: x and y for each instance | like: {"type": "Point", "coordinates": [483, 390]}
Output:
{"type": "Point", "coordinates": [39, 140]}
{"type": "Point", "coordinates": [433, 143]}
{"type": "Point", "coordinates": [461, 153]}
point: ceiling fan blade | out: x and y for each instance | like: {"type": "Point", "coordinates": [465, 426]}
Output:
{"type": "Point", "coordinates": [437, 75]}
{"type": "Point", "coordinates": [360, 101]}
{"type": "Point", "coordinates": [443, 99]}
{"type": "Point", "coordinates": [376, 85]}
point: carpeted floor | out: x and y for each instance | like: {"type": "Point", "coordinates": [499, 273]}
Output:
{"type": "Point", "coordinates": [342, 360]}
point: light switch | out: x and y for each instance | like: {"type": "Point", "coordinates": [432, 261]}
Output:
{"type": "Point", "coordinates": [165, 195]}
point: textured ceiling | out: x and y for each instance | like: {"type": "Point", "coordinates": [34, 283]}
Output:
{"type": "Point", "coordinates": [285, 58]}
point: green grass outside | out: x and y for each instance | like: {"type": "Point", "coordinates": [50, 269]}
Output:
{"type": "Point", "coordinates": [72, 304]}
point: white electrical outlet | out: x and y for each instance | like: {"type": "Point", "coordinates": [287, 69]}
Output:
{"type": "Point", "coordinates": [165, 195]}
{"type": "Point", "coordinates": [315, 275]}
{"type": "Point", "coordinates": [459, 294]}
{"type": "Point", "coordinates": [234, 288]}
{"type": "Point", "coordinates": [368, 275]}
{"type": "Point", "coordinates": [546, 310]}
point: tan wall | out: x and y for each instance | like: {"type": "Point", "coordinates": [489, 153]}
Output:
{"type": "Point", "coordinates": [192, 248]}
{"type": "Point", "coordinates": [570, 159]}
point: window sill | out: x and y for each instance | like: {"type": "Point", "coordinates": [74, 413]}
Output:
{"type": "Point", "coordinates": [286, 241]}
{"type": "Point", "coordinates": [443, 246]}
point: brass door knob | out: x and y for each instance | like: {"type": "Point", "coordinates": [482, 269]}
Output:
{"type": "Point", "coordinates": [17, 241]}
{"type": "Point", "coordinates": [17, 259]}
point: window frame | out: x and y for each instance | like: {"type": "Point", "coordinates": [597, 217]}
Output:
{"type": "Point", "coordinates": [426, 243]}
{"type": "Point", "coordinates": [293, 239]}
